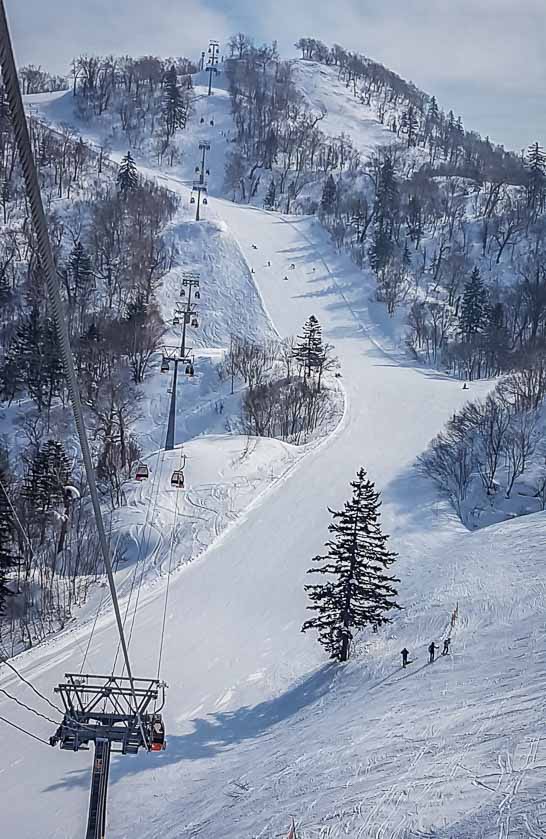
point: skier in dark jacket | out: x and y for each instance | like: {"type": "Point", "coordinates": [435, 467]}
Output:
{"type": "Point", "coordinates": [431, 650]}
{"type": "Point", "coordinates": [447, 642]}
{"type": "Point", "coordinates": [404, 654]}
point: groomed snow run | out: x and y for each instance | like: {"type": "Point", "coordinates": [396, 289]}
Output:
{"type": "Point", "coordinates": [260, 726]}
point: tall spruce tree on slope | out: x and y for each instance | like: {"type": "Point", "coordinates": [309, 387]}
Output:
{"type": "Point", "coordinates": [309, 352]}
{"type": "Point", "coordinates": [536, 177]}
{"type": "Point", "coordinates": [386, 210]}
{"type": "Point", "coordinates": [359, 592]}
{"type": "Point", "coordinates": [127, 174]}
{"type": "Point", "coordinates": [329, 196]}
{"type": "Point", "coordinates": [175, 111]}
{"type": "Point", "coordinates": [270, 197]}
{"type": "Point", "coordinates": [473, 313]}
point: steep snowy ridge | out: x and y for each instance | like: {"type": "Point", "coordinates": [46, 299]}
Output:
{"type": "Point", "coordinates": [323, 91]}
{"type": "Point", "coordinates": [260, 727]}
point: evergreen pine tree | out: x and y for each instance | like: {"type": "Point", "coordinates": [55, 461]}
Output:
{"type": "Point", "coordinates": [8, 557]}
{"type": "Point", "coordinates": [386, 214]}
{"type": "Point", "coordinates": [271, 194]}
{"type": "Point", "coordinates": [47, 477]}
{"type": "Point", "coordinates": [359, 592]}
{"type": "Point", "coordinates": [80, 269]}
{"type": "Point", "coordinates": [473, 312]}
{"type": "Point", "coordinates": [411, 125]}
{"type": "Point", "coordinates": [175, 111]}
{"type": "Point", "coordinates": [329, 196]}
{"type": "Point", "coordinates": [536, 176]}
{"type": "Point", "coordinates": [309, 352]}
{"type": "Point", "coordinates": [127, 175]}
{"type": "Point", "coordinates": [433, 115]}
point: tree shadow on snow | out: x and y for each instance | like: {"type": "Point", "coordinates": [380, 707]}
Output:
{"type": "Point", "coordinates": [215, 734]}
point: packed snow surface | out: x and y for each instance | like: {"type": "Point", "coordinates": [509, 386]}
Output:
{"type": "Point", "coordinates": [260, 726]}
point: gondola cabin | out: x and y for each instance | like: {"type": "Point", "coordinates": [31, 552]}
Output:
{"type": "Point", "coordinates": [197, 295]}
{"type": "Point", "coordinates": [177, 479]}
{"type": "Point", "coordinates": [182, 292]}
{"type": "Point", "coordinates": [192, 199]}
{"type": "Point", "coordinates": [189, 370]}
{"type": "Point", "coordinates": [164, 366]}
{"type": "Point", "coordinates": [142, 472]}
{"type": "Point", "coordinates": [157, 742]}
{"type": "Point", "coordinates": [176, 321]}
{"type": "Point", "coordinates": [195, 322]}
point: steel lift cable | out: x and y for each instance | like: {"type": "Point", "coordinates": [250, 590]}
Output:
{"type": "Point", "coordinates": [27, 707]}
{"type": "Point", "coordinates": [169, 573]}
{"type": "Point", "coordinates": [100, 605]}
{"type": "Point", "coordinates": [24, 731]}
{"type": "Point", "coordinates": [22, 139]}
{"type": "Point", "coordinates": [156, 481]}
{"type": "Point", "coordinates": [31, 686]}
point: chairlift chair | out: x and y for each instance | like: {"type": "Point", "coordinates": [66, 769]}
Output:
{"type": "Point", "coordinates": [142, 472]}
{"type": "Point", "coordinates": [177, 479]}
{"type": "Point", "coordinates": [157, 739]}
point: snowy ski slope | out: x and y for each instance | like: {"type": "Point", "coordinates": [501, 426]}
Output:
{"type": "Point", "coordinates": [260, 726]}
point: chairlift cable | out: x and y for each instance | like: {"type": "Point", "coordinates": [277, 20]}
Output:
{"type": "Point", "coordinates": [31, 686]}
{"type": "Point", "coordinates": [160, 472]}
{"type": "Point", "coordinates": [22, 140]}
{"type": "Point", "coordinates": [169, 574]}
{"type": "Point", "coordinates": [27, 707]}
{"type": "Point", "coordinates": [17, 519]}
{"type": "Point", "coordinates": [24, 731]}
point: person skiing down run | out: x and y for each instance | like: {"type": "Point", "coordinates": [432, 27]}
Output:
{"type": "Point", "coordinates": [404, 654]}
{"type": "Point", "coordinates": [431, 650]}
{"type": "Point", "coordinates": [447, 642]}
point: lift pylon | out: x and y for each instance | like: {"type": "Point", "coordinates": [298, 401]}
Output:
{"type": "Point", "coordinates": [115, 716]}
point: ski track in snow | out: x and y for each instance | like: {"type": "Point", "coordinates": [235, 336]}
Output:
{"type": "Point", "coordinates": [259, 727]}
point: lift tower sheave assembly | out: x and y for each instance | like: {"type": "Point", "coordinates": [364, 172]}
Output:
{"type": "Point", "coordinates": [213, 55]}
{"type": "Point", "coordinates": [115, 717]}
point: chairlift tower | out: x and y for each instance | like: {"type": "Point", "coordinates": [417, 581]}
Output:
{"type": "Point", "coordinates": [200, 183]}
{"type": "Point", "coordinates": [190, 281]}
{"type": "Point", "coordinates": [173, 354]}
{"type": "Point", "coordinates": [115, 716]}
{"type": "Point", "coordinates": [212, 62]}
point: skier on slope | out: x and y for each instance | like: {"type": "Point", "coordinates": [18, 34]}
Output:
{"type": "Point", "coordinates": [431, 651]}
{"type": "Point", "coordinates": [404, 654]}
{"type": "Point", "coordinates": [447, 642]}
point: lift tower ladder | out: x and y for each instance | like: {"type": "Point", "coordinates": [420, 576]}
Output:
{"type": "Point", "coordinates": [115, 716]}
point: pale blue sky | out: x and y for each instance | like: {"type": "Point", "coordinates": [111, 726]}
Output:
{"type": "Point", "coordinates": [484, 58]}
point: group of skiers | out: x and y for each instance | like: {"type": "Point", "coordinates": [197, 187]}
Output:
{"type": "Point", "coordinates": [432, 647]}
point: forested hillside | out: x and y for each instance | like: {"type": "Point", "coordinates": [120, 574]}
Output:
{"type": "Point", "coordinates": [111, 254]}
{"type": "Point", "coordinates": [451, 227]}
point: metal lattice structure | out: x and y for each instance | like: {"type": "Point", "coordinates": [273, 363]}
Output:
{"type": "Point", "coordinates": [107, 708]}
